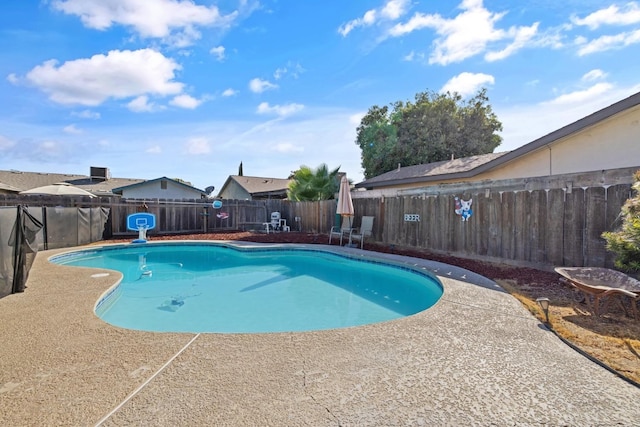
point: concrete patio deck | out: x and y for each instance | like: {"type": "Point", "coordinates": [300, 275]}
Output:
{"type": "Point", "coordinates": [477, 358]}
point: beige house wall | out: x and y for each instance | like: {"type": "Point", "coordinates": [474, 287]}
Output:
{"type": "Point", "coordinates": [235, 191]}
{"type": "Point", "coordinates": [610, 144]}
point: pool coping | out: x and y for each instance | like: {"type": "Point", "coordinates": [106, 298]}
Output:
{"type": "Point", "coordinates": [477, 357]}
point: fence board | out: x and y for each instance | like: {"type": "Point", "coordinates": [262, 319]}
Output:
{"type": "Point", "coordinates": [521, 221]}
{"type": "Point", "coordinates": [537, 209]}
{"type": "Point", "coordinates": [595, 219]}
{"type": "Point", "coordinates": [573, 228]}
{"type": "Point", "coordinates": [507, 206]}
{"type": "Point", "coordinates": [494, 219]}
{"type": "Point", "coordinates": [481, 212]}
{"type": "Point", "coordinates": [554, 233]}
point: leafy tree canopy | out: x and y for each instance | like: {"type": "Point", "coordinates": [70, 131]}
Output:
{"type": "Point", "coordinates": [433, 128]}
{"type": "Point", "coordinates": [313, 184]}
{"type": "Point", "coordinates": [625, 242]}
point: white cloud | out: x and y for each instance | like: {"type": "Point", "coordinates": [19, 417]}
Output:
{"type": "Point", "coordinates": [581, 40]}
{"type": "Point", "coordinates": [13, 79]}
{"type": "Point", "coordinates": [141, 104]}
{"type": "Point", "coordinates": [86, 114]}
{"type": "Point", "coordinates": [292, 69]}
{"type": "Point", "coordinates": [117, 75]}
{"type": "Point", "coordinates": [197, 146]}
{"type": "Point", "coordinates": [394, 9]}
{"type": "Point", "coordinates": [605, 43]}
{"type": "Point", "coordinates": [279, 73]}
{"type": "Point", "coordinates": [218, 52]}
{"type": "Point", "coordinates": [522, 36]}
{"type": "Point", "coordinates": [173, 20]}
{"type": "Point", "coordinates": [466, 35]}
{"type": "Point", "coordinates": [186, 101]}
{"type": "Point", "coordinates": [229, 92]}
{"type": "Point", "coordinates": [72, 129]}
{"type": "Point", "coordinates": [287, 147]}
{"type": "Point", "coordinates": [467, 83]}
{"type": "Point", "coordinates": [156, 149]}
{"type": "Point", "coordinates": [182, 39]}
{"type": "Point", "coordinates": [356, 119]}
{"type": "Point", "coordinates": [594, 75]}
{"type": "Point", "coordinates": [582, 95]}
{"type": "Point", "coordinates": [6, 143]}
{"type": "Point", "coordinates": [280, 110]}
{"type": "Point", "coordinates": [612, 15]}
{"type": "Point", "coordinates": [390, 11]}
{"type": "Point", "coordinates": [258, 85]}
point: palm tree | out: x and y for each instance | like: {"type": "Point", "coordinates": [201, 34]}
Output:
{"type": "Point", "coordinates": [310, 185]}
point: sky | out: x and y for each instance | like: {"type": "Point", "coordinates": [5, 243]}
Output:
{"type": "Point", "coordinates": [189, 89]}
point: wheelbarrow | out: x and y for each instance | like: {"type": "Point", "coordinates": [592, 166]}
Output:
{"type": "Point", "coordinates": [600, 283]}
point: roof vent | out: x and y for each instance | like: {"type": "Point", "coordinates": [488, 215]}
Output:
{"type": "Point", "coordinates": [99, 174]}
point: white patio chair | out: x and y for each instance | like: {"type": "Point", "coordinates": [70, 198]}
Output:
{"type": "Point", "coordinates": [365, 230]}
{"type": "Point", "coordinates": [345, 228]}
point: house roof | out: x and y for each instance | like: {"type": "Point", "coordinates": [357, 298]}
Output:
{"type": "Point", "coordinates": [118, 190]}
{"type": "Point", "coordinates": [468, 167]}
{"type": "Point", "coordinates": [258, 186]}
{"type": "Point", "coordinates": [420, 173]}
{"type": "Point", "coordinates": [16, 181]}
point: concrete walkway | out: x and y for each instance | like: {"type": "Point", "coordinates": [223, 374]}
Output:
{"type": "Point", "coordinates": [477, 358]}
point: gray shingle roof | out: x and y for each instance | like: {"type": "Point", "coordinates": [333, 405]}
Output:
{"type": "Point", "coordinates": [118, 190]}
{"type": "Point", "coordinates": [419, 172]}
{"type": "Point", "coordinates": [255, 185]}
{"type": "Point", "coordinates": [17, 181]}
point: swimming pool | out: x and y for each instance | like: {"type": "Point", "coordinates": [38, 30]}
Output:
{"type": "Point", "coordinates": [218, 287]}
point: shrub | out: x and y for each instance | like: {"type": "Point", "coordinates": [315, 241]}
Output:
{"type": "Point", "coordinates": [625, 242]}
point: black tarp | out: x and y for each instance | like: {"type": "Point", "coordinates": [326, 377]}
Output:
{"type": "Point", "coordinates": [25, 247]}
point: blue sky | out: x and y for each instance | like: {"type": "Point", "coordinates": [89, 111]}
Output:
{"type": "Point", "coordinates": [189, 89]}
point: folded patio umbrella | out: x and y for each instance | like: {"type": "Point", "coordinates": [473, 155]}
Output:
{"type": "Point", "coordinates": [345, 204]}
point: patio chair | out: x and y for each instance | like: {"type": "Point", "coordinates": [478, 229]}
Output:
{"type": "Point", "coordinates": [345, 228]}
{"type": "Point", "coordinates": [599, 283]}
{"type": "Point", "coordinates": [275, 221]}
{"type": "Point", "coordinates": [365, 230]}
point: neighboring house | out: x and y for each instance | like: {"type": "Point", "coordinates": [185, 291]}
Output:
{"type": "Point", "coordinates": [254, 188]}
{"type": "Point", "coordinates": [99, 181]}
{"type": "Point", "coordinates": [160, 188]}
{"type": "Point", "coordinates": [607, 140]}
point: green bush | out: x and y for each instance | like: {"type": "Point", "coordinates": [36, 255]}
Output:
{"type": "Point", "coordinates": [625, 242]}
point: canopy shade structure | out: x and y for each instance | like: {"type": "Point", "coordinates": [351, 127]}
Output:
{"type": "Point", "coordinates": [58, 189]}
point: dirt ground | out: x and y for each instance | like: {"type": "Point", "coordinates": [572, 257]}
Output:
{"type": "Point", "coordinates": [613, 337]}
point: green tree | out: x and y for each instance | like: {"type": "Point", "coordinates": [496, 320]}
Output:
{"type": "Point", "coordinates": [377, 137]}
{"type": "Point", "coordinates": [625, 242]}
{"type": "Point", "coordinates": [433, 128]}
{"type": "Point", "coordinates": [313, 184]}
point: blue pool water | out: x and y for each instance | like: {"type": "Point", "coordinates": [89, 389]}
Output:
{"type": "Point", "coordinates": [219, 288]}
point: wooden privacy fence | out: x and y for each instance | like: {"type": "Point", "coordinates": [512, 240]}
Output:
{"type": "Point", "coordinates": [199, 216]}
{"type": "Point", "coordinates": [543, 227]}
